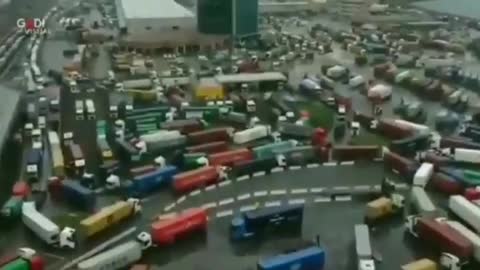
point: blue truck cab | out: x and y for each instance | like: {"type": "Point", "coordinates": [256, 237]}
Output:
{"type": "Point", "coordinates": [251, 223]}
{"type": "Point", "coordinates": [304, 259]}
{"type": "Point", "coordinates": [145, 183]}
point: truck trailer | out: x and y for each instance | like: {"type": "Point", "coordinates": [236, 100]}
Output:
{"type": "Point", "coordinates": [204, 176]}
{"type": "Point", "coordinates": [251, 134]}
{"type": "Point", "coordinates": [422, 203]}
{"type": "Point", "coordinates": [303, 259]}
{"type": "Point", "coordinates": [363, 248]}
{"type": "Point", "coordinates": [466, 210]}
{"type": "Point", "coordinates": [148, 182]}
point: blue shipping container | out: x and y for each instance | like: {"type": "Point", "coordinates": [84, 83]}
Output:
{"type": "Point", "coordinates": [312, 258]}
{"type": "Point", "coordinates": [151, 181]}
{"type": "Point", "coordinates": [34, 157]}
{"type": "Point", "coordinates": [78, 196]}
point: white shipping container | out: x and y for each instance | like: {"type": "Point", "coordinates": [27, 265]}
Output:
{"type": "Point", "coordinates": [356, 81]}
{"type": "Point", "coordinates": [161, 135]}
{"type": "Point", "coordinates": [402, 76]}
{"type": "Point", "coordinates": [422, 202]}
{"type": "Point", "coordinates": [467, 233]}
{"type": "Point", "coordinates": [466, 155]}
{"type": "Point", "coordinates": [336, 72]}
{"type": "Point", "coordinates": [118, 257]}
{"type": "Point", "coordinates": [423, 175]}
{"type": "Point", "coordinates": [53, 138]}
{"type": "Point", "coordinates": [408, 124]}
{"type": "Point", "coordinates": [43, 227]}
{"type": "Point", "coordinates": [466, 210]}
{"type": "Point", "coordinates": [90, 106]}
{"type": "Point", "coordinates": [250, 134]}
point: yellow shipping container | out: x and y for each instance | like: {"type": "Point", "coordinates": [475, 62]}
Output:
{"type": "Point", "coordinates": [106, 217]}
{"type": "Point", "coordinates": [379, 208]}
{"type": "Point", "coordinates": [423, 264]}
{"type": "Point", "coordinates": [209, 89]}
{"type": "Point", "coordinates": [142, 95]}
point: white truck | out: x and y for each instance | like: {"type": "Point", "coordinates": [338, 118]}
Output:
{"type": "Point", "coordinates": [467, 233]}
{"type": "Point", "coordinates": [465, 210]}
{"type": "Point", "coordinates": [466, 155]}
{"type": "Point", "coordinates": [251, 134]}
{"type": "Point", "coordinates": [90, 109]}
{"type": "Point", "coordinates": [79, 110]}
{"type": "Point", "coordinates": [422, 202]}
{"type": "Point", "coordinates": [45, 229]}
{"type": "Point", "coordinates": [363, 248]}
{"type": "Point", "coordinates": [120, 256]}
{"type": "Point", "coordinates": [423, 175]}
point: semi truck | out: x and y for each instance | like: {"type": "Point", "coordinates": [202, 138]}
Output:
{"type": "Point", "coordinates": [45, 229]}
{"type": "Point", "coordinates": [34, 161]}
{"type": "Point", "coordinates": [109, 216]}
{"type": "Point", "coordinates": [422, 202]}
{"type": "Point", "coordinates": [423, 175]}
{"type": "Point", "coordinates": [467, 233]}
{"type": "Point", "coordinates": [466, 210]}
{"type": "Point", "coordinates": [22, 259]}
{"type": "Point", "coordinates": [253, 223]}
{"type": "Point", "coordinates": [148, 182]}
{"type": "Point", "coordinates": [204, 176]}
{"type": "Point", "coordinates": [303, 259]}
{"type": "Point", "coordinates": [251, 134]}
{"type": "Point", "coordinates": [119, 256]}
{"type": "Point", "coordinates": [228, 158]}
{"type": "Point", "coordinates": [268, 150]}
{"type": "Point", "coordinates": [363, 248]}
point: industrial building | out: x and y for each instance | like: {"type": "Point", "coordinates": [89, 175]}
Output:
{"type": "Point", "coordinates": [352, 9]}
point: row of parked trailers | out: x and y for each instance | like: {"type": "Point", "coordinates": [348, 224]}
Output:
{"type": "Point", "coordinates": [9, 47]}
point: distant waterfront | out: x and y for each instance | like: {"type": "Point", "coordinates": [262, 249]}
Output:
{"type": "Point", "coordinates": [462, 8]}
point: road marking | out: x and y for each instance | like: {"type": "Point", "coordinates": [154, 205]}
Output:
{"type": "Point", "coordinates": [347, 163]}
{"type": "Point", "coordinates": [330, 164]}
{"type": "Point", "coordinates": [362, 187]}
{"type": "Point", "coordinates": [224, 183]}
{"type": "Point", "coordinates": [243, 178]}
{"type": "Point", "coordinates": [273, 203]}
{"type": "Point", "coordinates": [167, 216]}
{"type": "Point", "coordinates": [299, 191]}
{"type": "Point", "coordinates": [243, 196]}
{"type": "Point", "coordinates": [212, 187]}
{"type": "Point", "coordinates": [209, 205]}
{"type": "Point", "coordinates": [169, 207]}
{"type": "Point", "coordinates": [378, 159]}
{"type": "Point", "coordinates": [278, 192]}
{"type": "Point", "coordinates": [322, 199]}
{"type": "Point", "coordinates": [317, 190]}
{"type": "Point", "coordinates": [294, 168]}
{"type": "Point", "coordinates": [296, 201]}
{"type": "Point", "coordinates": [260, 193]}
{"type": "Point", "coordinates": [258, 174]}
{"type": "Point", "coordinates": [277, 169]}
{"type": "Point", "coordinates": [343, 198]}
{"type": "Point", "coordinates": [195, 192]}
{"type": "Point", "coordinates": [225, 213]}
{"type": "Point", "coordinates": [377, 187]}
{"type": "Point", "coordinates": [248, 208]}
{"type": "Point", "coordinates": [226, 201]}
{"type": "Point", "coordinates": [341, 188]}
{"type": "Point", "coordinates": [313, 165]}
{"type": "Point", "coordinates": [181, 199]}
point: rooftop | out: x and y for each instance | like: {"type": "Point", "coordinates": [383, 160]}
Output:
{"type": "Point", "coordinates": [148, 9]}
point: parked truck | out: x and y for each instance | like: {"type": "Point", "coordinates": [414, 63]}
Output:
{"type": "Point", "coordinates": [143, 184]}
{"type": "Point", "coordinates": [466, 210]}
{"type": "Point", "coordinates": [204, 176]}
{"type": "Point", "coordinates": [184, 126]}
{"type": "Point", "coordinates": [467, 233]}
{"type": "Point", "coordinates": [109, 216]}
{"type": "Point", "coordinates": [45, 229]}
{"type": "Point", "coordinates": [252, 223]}
{"type": "Point", "coordinates": [228, 158]}
{"type": "Point", "coordinates": [363, 248]}
{"type": "Point", "coordinates": [22, 259]}
{"type": "Point", "coordinates": [422, 202]}
{"type": "Point", "coordinates": [268, 150]}
{"type": "Point", "coordinates": [251, 134]}
{"type": "Point", "coordinates": [167, 232]}
{"type": "Point", "coordinates": [34, 162]}
{"type": "Point", "coordinates": [423, 175]}
{"type": "Point", "coordinates": [77, 195]}
{"type": "Point", "coordinates": [210, 135]}
{"type": "Point", "coordinates": [119, 256]}
{"type": "Point", "coordinates": [12, 208]}
{"type": "Point", "coordinates": [303, 259]}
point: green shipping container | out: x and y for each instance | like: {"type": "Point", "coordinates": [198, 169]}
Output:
{"type": "Point", "coordinates": [472, 177]}
{"type": "Point", "coordinates": [12, 208]}
{"type": "Point", "coordinates": [150, 120]}
{"type": "Point", "coordinates": [268, 150]}
{"type": "Point", "coordinates": [144, 111]}
{"type": "Point", "coordinates": [18, 264]}
{"type": "Point", "coordinates": [209, 114]}
{"type": "Point", "coordinates": [191, 161]}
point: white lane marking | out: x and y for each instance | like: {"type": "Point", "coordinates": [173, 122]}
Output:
{"type": "Point", "coordinates": [209, 205]}
{"type": "Point", "coordinates": [224, 183]}
{"type": "Point", "coordinates": [195, 192]}
{"type": "Point", "coordinates": [296, 201]}
{"type": "Point", "coordinates": [344, 198]}
{"type": "Point", "coordinates": [169, 207]}
{"type": "Point", "coordinates": [243, 196]}
{"type": "Point", "coordinates": [377, 187]}
{"type": "Point", "coordinates": [243, 178]}
{"type": "Point", "coordinates": [294, 168]}
{"type": "Point", "coordinates": [212, 187]}
{"type": "Point", "coordinates": [322, 199]}
{"type": "Point", "coordinates": [273, 203]}
{"type": "Point", "coordinates": [181, 199]}
{"type": "Point", "coordinates": [225, 213]}
{"type": "Point", "coordinates": [341, 188]}
{"type": "Point", "coordinates": [329, 164]}
{"type": "Point", "coordinates": [317, 190]}
{"type": "Point", "coordinates": [313, 165]}
{"type": "Point", "coordinates": [277, 169]}
{"type": "Point", "coordinates": [226, 201]}
{"type": "Point", "coordinates": [258, 174]}
{"type": "Point", "coordinates": [299, 191]}
{"type": "Point", "coordinates": [361, 187]}
{"type": "Point", "coordinates": [167, 216]}
{"type": "Point", "coordinates": [278, 192]}
{"type": "Point", "coordinates": [260, 193]}
{"type": "Point", "coordinates": [347, 163]}
{"type": "Point", "coordinates": [248, 208]}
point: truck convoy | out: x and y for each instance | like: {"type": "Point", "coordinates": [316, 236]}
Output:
{"type": "Point", "coordinates": [363, 248]}
{"type": "Point", "coordinates": [148, 182]}
{"type": "Point", "coordinates": [204, 176]}
{"type": "Point", "coordinates": [423, 205]}
{"type": "Point", "coordinates": [423, 175]}
{"type": "Point", "coordinates": [45, 229]}
{"type": "Point", "coordinates": [303, 259]}
{"type": "Point", "coordinates": [255, 222]}
{"type": "Point", "coordinates": [251, 134]}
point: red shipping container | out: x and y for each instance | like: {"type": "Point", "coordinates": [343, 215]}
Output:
{"type": "Point", "coordinates": [228, 158]}
{"type": "Point", "coordinates": [142, 170]}
{"type": "Point", "coordinates": [393, 131]}
{"type": "Point", "coordinates": [472, 194]}
{"type": "Point", "coordinates": [443, 237]}
{"type": "Point", "coordinates": [5, 259]}
{"type": "Point", "coordinates": [436, 160]}
{"type": "Point", "coordinates": [320, 137]}
{"type": "Point", "coordinates": [55, 188]}
{"type": "Point", "coordinates": [184, 126]}
{"type": "Point", "coordinates": [457, 142]}
{"type": "Point", "coordinates": [355, 152]}
{"type": "Point", "coordinates": [396, 162]}
{"type": "Point", "coordinates": [37, 263]}
{"type": "Point", "coordinates": [166, 232]}
{"type": "Point", "coordinates": [322, 153]}
{"type": "Point", "coordinates": [209, 148]}
{"type": "Point", "coordinates": [210, 135]}
{"type": "Point", "coordinates": [21, 189]}
{"type": "Point", "coordinates": [446, 184]}
{"type": "Point", "coordinates": [187, 181]}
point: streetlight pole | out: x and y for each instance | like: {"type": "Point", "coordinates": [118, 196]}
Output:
{"type": "Point", "coordinates": [234, 31]}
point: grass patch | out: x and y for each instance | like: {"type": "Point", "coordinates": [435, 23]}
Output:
{"type": "Point", "coordinates": [320, 115]}
{"type": "Point", "coordinates": [368, 138]}
{"type": "Point", "coordinates": [69, 220]}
